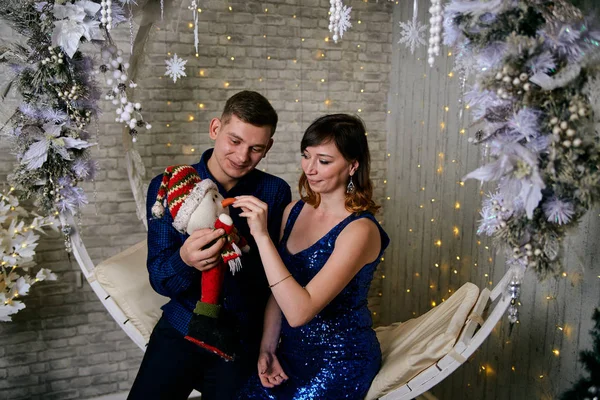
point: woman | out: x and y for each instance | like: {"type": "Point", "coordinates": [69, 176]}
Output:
{"type": "Point", "coordinates": [321, 272]}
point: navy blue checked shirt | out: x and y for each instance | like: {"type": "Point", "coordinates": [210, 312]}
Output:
{"type": "Point", "coordinates": [244, 294]}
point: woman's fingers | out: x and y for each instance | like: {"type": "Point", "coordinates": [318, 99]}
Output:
{"type": "Point", "coordinates": [283, 375]}
{"type": "Point", "coordinates": [263, 372]}
{"type": "Point", "coordinates": [265, 381]}
{"type": "Point", "coordinates": [250, 202]}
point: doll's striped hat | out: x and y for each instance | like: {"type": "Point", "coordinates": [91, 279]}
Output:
{"type": "Point", "coordinates": [183, 191]}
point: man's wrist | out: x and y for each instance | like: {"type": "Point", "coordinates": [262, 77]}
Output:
{"type": "Point", "coordinates": [181, 256]}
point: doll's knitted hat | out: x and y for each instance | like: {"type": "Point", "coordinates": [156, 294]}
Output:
{"type": "Point", "coordinates": [183, 190]}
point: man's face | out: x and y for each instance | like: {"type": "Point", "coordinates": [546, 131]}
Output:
{"type": "Point", "coordinates": [239, 147]}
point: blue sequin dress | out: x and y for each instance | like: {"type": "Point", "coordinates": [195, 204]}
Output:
{"type": "Point", "coordinates": [336, 355]}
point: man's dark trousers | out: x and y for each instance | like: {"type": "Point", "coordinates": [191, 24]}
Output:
{"type": "Point", "coordinates": [181, 366]}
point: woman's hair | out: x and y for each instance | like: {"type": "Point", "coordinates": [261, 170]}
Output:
{"type": "Point", "coordinates": [348, 134]}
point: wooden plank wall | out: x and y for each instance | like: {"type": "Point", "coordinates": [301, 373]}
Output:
{"type": "Point", "coordinates": [427, 157]}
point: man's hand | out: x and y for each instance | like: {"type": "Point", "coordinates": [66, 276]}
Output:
{"type": "Point", "coordinates": [193, 253]}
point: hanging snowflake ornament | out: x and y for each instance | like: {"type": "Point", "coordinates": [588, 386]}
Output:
{"type": "Point", "coordinates": [344, 22]}
{"type": "Point", "coordinates": [339, 19]}
{"type": "Point", "coordinates": [412, 33]}
{"type": "Point", "coordinates": [175, 68]}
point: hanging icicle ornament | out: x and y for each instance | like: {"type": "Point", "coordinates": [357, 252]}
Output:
{"type": "Point", "coordinates": [412, 31]}
{"type": "Point", "coordinates": [66, 231]}
{"type": "Point", "coordinates": [130, 21]}
{"type": "Point", "coordinates": [106, 14]}
{"type": "Point", "coordinates": [435, 31]}
{"type": "Point", "coordinates": [128, 112]}
{"type": "Point", "coordinates": [514, 290]}
{"type": "Point", "coordinates": [194, 8]}
{"type": "Point", "coordinates": [339, 19]}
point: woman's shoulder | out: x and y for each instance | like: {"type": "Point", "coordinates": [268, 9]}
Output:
{"type": "Point", "coordinates": [288, 209]}
{"type": "Point", "coordinates": [360, 237]}
{"type": "Point", "coordinates": [364, 231]}
{"type": "Point", "coordinates": [363, 224]}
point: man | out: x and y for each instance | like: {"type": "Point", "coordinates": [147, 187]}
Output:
{"type": "Point", "coordinates": [173, 366]}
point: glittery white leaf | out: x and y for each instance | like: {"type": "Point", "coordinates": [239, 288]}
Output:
{"type": "Point", "coordinates": [36, 155]}
{"type": "Point", "coordinates": [67, 34]}
{"type": "Point", "coordinates": [73, 143]}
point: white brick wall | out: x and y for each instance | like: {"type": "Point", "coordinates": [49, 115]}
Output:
{"type": "Point", "coordinates": [64, 344]}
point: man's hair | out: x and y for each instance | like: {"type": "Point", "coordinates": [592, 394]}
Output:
{"type": "Point", "coordinates": [252, 108]}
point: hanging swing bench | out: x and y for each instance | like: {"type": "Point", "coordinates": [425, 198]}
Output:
{"type": "Point", "coordinates": [416, 354]}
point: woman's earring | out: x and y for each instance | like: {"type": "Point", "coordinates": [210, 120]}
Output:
{"type": "Point", "coordinates": [350, 187]}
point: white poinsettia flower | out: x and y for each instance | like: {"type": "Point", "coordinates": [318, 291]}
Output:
{"type": "Point", "coordinates": [18, 241]}
{"type": "Point", "coordinates": [90, 8]}
{"type": "Point", "coordinates": [74, 22]}
{"type": "Point", "coordinates": [37, 154]}
{"type": "Point", "coordinates": [45, 274]}
{"type": "Point", "coordinates": [516, 169]}
{"type": "Point", "coordinates": [67, 34]}
{"type": "Point", "coordinates": [8, 308]}
{"type": "Point", "coordinates": [20, 288]}
{"type": "Point", "coordinates": [70, 11]}
{"type": "Point", "coordinates": [27, 245]}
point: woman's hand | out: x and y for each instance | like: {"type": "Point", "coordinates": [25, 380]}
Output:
{"type": "Point", "coordinates": [269, 370]}
{"type": "Point", "coordinates": [255, 212]}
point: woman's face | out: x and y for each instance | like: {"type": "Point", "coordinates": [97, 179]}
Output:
{"type": "Point", "coordinates": [326, 169]}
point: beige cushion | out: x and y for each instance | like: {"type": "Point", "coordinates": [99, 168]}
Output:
{"type": "Point", "coordinates": [410, 347]}
{"type": "Point", "coordinates": [125, 277]}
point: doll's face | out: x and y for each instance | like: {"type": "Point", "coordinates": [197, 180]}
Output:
{"type": "Point", "coordinates": [207, 212]}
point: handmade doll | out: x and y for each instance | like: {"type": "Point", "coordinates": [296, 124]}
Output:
{"type": "Point", "coordinates": [195, 204]}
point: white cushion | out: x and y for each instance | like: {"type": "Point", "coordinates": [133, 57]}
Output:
{"type": "Point", "coordinates": [410, 347]}
{"type": "Point", "coordinates": [125, 278]}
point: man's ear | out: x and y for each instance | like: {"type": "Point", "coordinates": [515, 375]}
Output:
{"type": "Point", "coordinates": [214, 128]}
{"type": "Point", "coordinates": [268, 147]}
